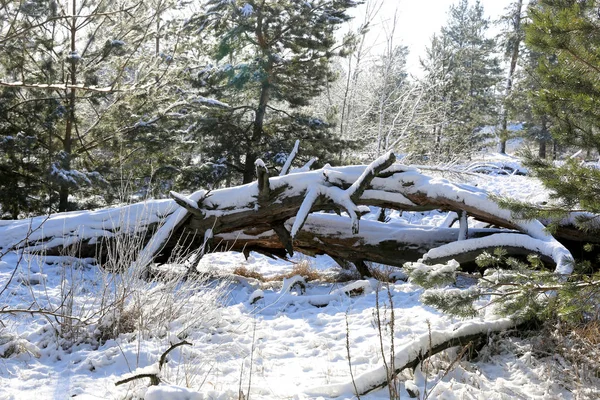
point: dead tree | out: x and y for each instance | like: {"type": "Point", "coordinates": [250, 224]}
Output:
{"type": "Point", "coordinates": [314, 212]}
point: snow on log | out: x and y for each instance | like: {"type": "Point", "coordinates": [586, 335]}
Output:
{"type": "Point", "coordinates": [426, 190]}
{"type": "Point", "coordinates": [397, 187]}
{"type": "Point", "coordinates": [411, 354]}
{"type": "Point", "coordinates": [463, 250]}
{"type": "Point", "coordinates": [282, 205]}
{"type": "Point", "coordinates": [161, 236]}
{"type": "Point", "coordinates": [386, 243]}
{"type": "Point", "coordinates": [57, 231]}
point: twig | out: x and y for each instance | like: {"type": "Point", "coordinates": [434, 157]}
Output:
{"type": "Point", "coordinates": [349, 357]}
{"type": "Point", "coordinates": [251, 358]}
{"type": "Point", "coordinates": [154, 378]}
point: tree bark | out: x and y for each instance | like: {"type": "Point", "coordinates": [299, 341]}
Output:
{"type": "Point", "coordinates": [63, 192]}
{"type": "Point", "coordinates": [543, 138]}
{"type": "Point", "coordinates": [263, 101]}
{"type": "Point", "coordinates": [514, 57]}
{"type": "Point", "coordinates": [280, 215]}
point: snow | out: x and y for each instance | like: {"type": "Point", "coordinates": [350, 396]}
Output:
{"type": "Point", "coordinates": [299, 346]}
{"type": "Point", "coordinates": [310, 198]}
{"type": "Point", "coordinates": [171, 392]}
{"type": "Point", "coordinates": [191, 203]}
{"type": "Point", "coordinates": [289, 334]}
{"type": "Point", "coordinates": [306, 167]}
{"type": "Point", "coordinates": [247, 10]}
{"type": "Point", "coordinates": [259, 163]}
{"type": "Point", "coordinates": [290, 158]}
{"type": "Point", "coordinates": [210, 102]}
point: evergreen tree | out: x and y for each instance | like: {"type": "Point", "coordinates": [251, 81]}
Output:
{"type": "Point", "coordinates": [462, 72]}
{"type": "Point", "coordinates": [567, 32]}
{"type": "Point", "coordinates": [77, 81]}
{"type": "Point", "coordinates": [513, 37]}
{"type": "Point", "coordinates": [269, 59]}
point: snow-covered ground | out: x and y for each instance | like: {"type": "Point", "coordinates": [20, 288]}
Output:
{"type": "Point", "coordinates": [269, 340]}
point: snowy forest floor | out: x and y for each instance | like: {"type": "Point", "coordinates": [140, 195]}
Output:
{"type": "Point", "coordinates": [252, 337]}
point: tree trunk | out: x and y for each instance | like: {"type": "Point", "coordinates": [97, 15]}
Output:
{"type": "Point", "coordinates": [514, 56]}
{"type": "Point", "coordinates": [543, 138]}
{"type": "Point", "coordinates": [63, 193]}
{"type": "Point", "coordinates": [261, 110]}
{"type": "Point", "coordinates": [279, 215]}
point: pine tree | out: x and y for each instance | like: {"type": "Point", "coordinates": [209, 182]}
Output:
{"type": "Point", "coordinates": [269, 59]}
{"type": "Point", "coordinates": [513, 37]}
{"type": "Point", "coordinates": [80, 79]}
{"type": "Point", "coordinates": [462, 72]}
{"type": "Point", "coordinates": [567, 33]}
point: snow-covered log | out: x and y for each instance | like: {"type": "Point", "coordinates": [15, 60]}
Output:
{"type": "Point", "coordinates": [293, 197]}
{"type": "Point", "coordinates": [331, 234]}
{"type": "Point", "coordinates": [289, 208]}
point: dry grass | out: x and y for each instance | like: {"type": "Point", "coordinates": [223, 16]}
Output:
{"type": "Point", "coordinates": [303, 268]}
{"type": "Point", "coordinates": [345, 276]}
{"type": "Point", "coordinates": [383, 274]}
{"type": "Point", "coordinates": [589, 333]}
{"type": "Point", "coordinates": [575, 355]}
{"type": "Point", "coordinates": [242, 270]}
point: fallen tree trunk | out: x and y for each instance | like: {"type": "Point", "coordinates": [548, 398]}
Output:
{"type": "Point", "coordinates": [268, 204]}
{"type": "Point", "coordinates": [330, 234]}
{"type": "Point", "coordinates": [283, 213]}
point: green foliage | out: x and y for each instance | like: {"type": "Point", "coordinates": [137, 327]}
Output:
{"type": "Point", "coordinates": [432, 275]}
{"type": "Point", "coordinates": [457, 302]}
{"type": "Point", "coordinates": [269, 60]}
{"type": "Point", "coordinates": [21, 190]}
{"type": "Point", "coordinates": [574, 187]}
{"type": "Point", "coordinates": [522, 290]}
{"type": "Point", "coordinates": [567, 32]}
